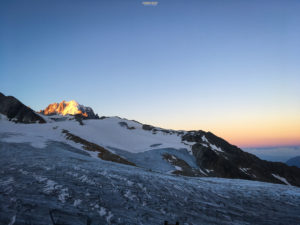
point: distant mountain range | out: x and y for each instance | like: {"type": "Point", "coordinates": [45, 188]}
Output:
{"type": "Point", "coordinates": [275, 153]}
{"type": "Point", "coordinates": [188, 153]}
{"type": "Point", "coordinates": [295, 161]}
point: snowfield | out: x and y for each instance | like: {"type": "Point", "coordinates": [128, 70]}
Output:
{"type": "Point", "coordinates": [107, 133]}
{"type": "Point", "coordinates": [142, 147]}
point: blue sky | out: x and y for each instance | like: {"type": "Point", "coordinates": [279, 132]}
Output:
{"type": "Point", "coordinates": [222, 66]}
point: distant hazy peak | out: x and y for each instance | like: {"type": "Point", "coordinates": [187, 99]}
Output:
{"type": "Point", "coordinates": [295, 161]}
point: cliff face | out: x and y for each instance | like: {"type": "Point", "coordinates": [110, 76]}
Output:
{"type": "Point", "coordinates": [15, 110]}
{"type": "Point", "coordinates": [69, 108]}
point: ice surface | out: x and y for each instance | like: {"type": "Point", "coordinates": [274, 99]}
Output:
{"type": "Point", "coordinates": [34, 181]}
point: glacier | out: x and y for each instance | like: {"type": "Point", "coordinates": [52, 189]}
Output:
{"type": "Point", "coordinates": [75, 188]}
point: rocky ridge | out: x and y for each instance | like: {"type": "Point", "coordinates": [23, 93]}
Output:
{"type": "Point", "coordinates": [17, 111]}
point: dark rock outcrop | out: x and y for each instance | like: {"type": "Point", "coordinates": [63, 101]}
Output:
{"type": "Point", "coordinates": [124, 124]}
{"type": "Point", "coordinates": [185, 168]}
{"type": "Point", "coordinates": [17, 111]}
{"type": "Point", "coordinates": [147, 127]}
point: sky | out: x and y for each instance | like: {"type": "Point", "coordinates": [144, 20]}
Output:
{"type": "Point", "coordinates": [230, 67]}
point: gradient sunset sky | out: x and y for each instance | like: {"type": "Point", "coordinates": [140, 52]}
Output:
{"type": "Point", "coordinates": [229, 67]}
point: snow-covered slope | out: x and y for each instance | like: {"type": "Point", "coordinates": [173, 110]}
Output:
{"type": "Point", "coordinates": [190, 153]}
{"type": "Point", "coordinates": [110, 133]}
{"type": "Point", "coordinates": [106, 132]}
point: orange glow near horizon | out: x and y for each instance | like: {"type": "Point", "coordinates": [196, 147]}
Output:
{"type": "Point", "coordinates": [260, 139]}
{"type": "Point", "coordinates": [262, 133]}
{"type": "Point", "coordinates": [245, 131]}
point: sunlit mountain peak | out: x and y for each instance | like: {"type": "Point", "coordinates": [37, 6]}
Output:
{"type": "Point", "coordinates": [69, 108]}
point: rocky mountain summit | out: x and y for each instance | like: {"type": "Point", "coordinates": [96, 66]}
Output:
{"type": "Point", "coordinates": [69, 108]}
